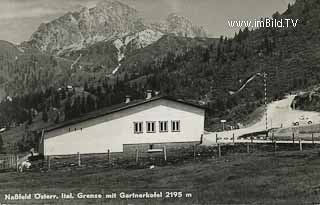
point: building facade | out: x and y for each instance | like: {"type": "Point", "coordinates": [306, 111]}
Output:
{"type": "Point", "coordinates": [155, 121]}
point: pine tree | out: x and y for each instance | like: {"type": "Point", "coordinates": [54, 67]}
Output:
{"type": "Point", "coordinates": [76, 108]}
{"type": "Point", "coordinates": [86, 87]}
{"type": "Point", "coordinates": [83, 105]}
{"type": "Point", "coordinates": [206, 56]}
{"type": "Point", "coordinates": [68, 109]}
{"type": "Point", "coordinates": [45, 115]}
{"type": "Point", "coordinates": [276, 15]}
{"type": "Point", "coordinates": [30, 117]}
{"type": "Point", "coordinates": [1, 143]}
{"type": "Point", "coordinates": [90, 103]}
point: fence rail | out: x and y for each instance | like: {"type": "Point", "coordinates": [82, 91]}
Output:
{"type": "Point", "coordinates": [295, 141]}
{"type": "Point", "coordinates": [8, 162]}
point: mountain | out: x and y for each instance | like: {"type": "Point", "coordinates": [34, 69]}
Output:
{"type": "Point", "coordinates": [109, 54]}
{"type": "Point", "coordinates": [206, 72]}
{"type": "Point", "coordinates": [8, 52]}
{"type": "Point", "coordinates": [86, 45]}
{"type": "Point", "coordinates": [76, 30]}
{"type": "Point", "coordinates": [168, 48]}
{"type": "Point", "coordinates": [201, 70]}
{"type": "Point", "coordinates": [179, 26]}
{"type": "Point", "coordinates": [108, 20]}
{"type": "Point", "coordinates": [25, 70]}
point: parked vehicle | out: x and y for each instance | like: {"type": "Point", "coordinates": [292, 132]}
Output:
{"type": "Point", "coordinates": [302, 120]}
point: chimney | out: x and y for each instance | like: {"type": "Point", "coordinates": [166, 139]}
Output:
{"type": "Point", "coordinates": [149, 94]}
{"type": "Point", "coordinates": [127, 99]}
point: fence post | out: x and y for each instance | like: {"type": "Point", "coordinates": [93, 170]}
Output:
{"type": "Point", "coordinates": [216, 138]}
{"type": "Point", "coordinates": [108, 155]}
{"type": "Point", "coordinates": [12, 163]}
{"type": "Point", "coordinates": [2, 165]}
{"type": "Point", "coordinates": [219, 150]}
{"type": "Point", "coordinates": [273, 137]}
{"type": "Point", "coordinates": [248, 148]}
{"type": "Point", "coordinates": [300, 145]}
{"type": "Point", "coordinates": [275, 146]}
{"type": "Point", "coordinates": [233, 137]}
{"type": "Point", "coordinates": [251, 137]}
{"type": "Point", "coordinates": [293, 138]}
{"type": "Point", "coordinates": [165, 153]}
{"type": "Point", "coordinates": [312, 138]}
{"type": "Point", "coordinates": [79, 159]}
{"type": "Point", "coordinates": [49, 163]}
{"type": "Point", "coordinates": [194, 152]}
{"type": "Point", "coordinates": [17, 162]}
{"type": "Point", "coordinates": [137, 156]}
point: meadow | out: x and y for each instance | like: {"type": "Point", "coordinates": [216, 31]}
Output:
{"type": "Point", "coordinates": [262, 177]}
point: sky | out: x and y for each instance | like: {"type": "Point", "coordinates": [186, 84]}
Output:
{"type": "Point", "coordinates": [20, 18]}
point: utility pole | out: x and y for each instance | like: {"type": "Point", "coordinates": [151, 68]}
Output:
{"type": "Point", "coordinates": [264, 75]}
{"type": "Point", "coordinates": [265, 99]}
{"type": "Point", "coordinates": [223, 123]}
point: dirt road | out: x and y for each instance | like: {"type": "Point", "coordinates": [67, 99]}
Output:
{"type": "Point", "coordinates": [280, 114]}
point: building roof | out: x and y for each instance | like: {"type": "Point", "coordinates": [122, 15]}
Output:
{"type": "Point", "coordinates": [116, 108]}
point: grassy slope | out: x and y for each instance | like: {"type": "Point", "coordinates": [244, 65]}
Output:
{"type": "Point", "coordinates": [254, 117]}
{"type": "Point", "coordinates": [167, 45]}
{"type": "Point", "coordinates": [286, 177]}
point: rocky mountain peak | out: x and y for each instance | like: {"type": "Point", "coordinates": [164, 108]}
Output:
{"type": "Point", "coordinates": [182, 26]}
{"type": "Point", "coordinates": [177, 17]}
{"type": "Point", "coordinates": [113, 7]}
{"type": "Point", "coordinates": [110, 4]}
{"type": "Point", "coordinates": [109, 19]}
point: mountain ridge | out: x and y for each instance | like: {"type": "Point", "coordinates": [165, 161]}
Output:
{"type": "Point", "coordinates": [108, 19]}
{"type": "Point", "coordinates": [201, 69]}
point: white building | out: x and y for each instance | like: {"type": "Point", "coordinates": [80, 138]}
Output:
{"type": "Point", "coordinates": [142, 123]}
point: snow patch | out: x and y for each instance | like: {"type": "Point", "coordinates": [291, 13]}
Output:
{"type": "Point", "coordinates": [119, 45]}
{"type": "Point", "coordinates": [9, 98]}
{"type": "Point", "coordinates": [75, 62]}
{"type": "Point", "coordinates": [138, 40]}
{"type": "Point", "coordinates": [143, 38]}
{"type": "Point", "coordinates": [73, 47]}
{"type": "Point", "coordinates": [20, 49]}
{"type": "Point", "coordinates": [116, 69]}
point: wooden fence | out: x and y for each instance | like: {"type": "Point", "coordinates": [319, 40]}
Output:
{"type": "Point", "coordinates": [8, 162]}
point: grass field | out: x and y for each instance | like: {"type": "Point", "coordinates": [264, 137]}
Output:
{"type": "Point", "coordinates": [256, 178]}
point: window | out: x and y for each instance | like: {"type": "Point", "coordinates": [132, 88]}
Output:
{"type": "Point", "coordinates": [151, 127]}
{"type": "Point", "coordinates": [175, 126]}
{"type": "Point", "coordinates": [138, 127]}
{"type": "Point", "coordinates": [163, 126]}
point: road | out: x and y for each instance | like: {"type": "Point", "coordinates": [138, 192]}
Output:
{"type": "Point", "coordinates": [258, 141]}
{"type": "Point", "coordinates": [280, 114]}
